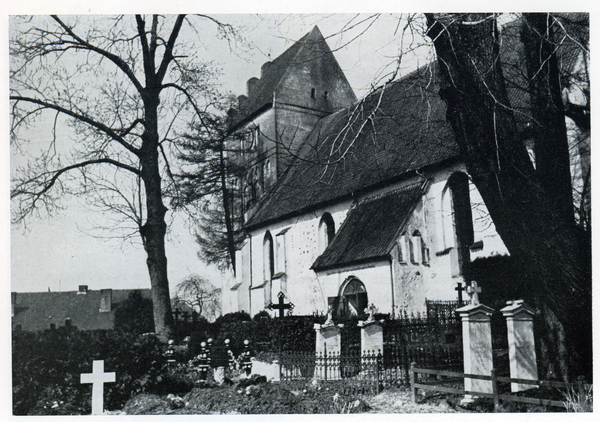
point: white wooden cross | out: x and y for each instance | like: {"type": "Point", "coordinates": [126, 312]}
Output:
{"type": "Point", "coordinates": [97, 378]}
{"type": "Point", "coordinates": [473, 291]}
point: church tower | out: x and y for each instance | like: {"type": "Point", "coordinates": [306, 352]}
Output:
{"type": "Point", "coordinates": [281, 108]}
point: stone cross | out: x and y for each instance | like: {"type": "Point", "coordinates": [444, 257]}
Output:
{"type": "Point", "coordinates": [459, 288]}
{"type": "Point", "coordinates": [97, 378]}
{"type": "Point", "coordinates": [281, 306]}
{"type": "Point", "coordinates": [473, 290]}
{"type": "Point", "coordinates": [370, 310]}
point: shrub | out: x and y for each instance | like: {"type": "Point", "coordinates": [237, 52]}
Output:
{"type": "Point", "coordinates": [135, 314]}
{"type": "Point", "coordinates": [47, 367]}
{"type": "Point", "coordinates": [579, 401]}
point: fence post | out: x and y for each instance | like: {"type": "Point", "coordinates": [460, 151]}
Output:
{"type": "Point", "coordinates": [325, 361]}
{"type": "Point", "coordinates": [495, 390]}
{"type": "Point", "coordinates": [377, 369]}
{"type": "Point", "coordinates": [413, 389]}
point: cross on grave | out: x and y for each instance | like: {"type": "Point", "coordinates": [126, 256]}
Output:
{"type": "Point", "coordinates": [473, 290]}
{"type": "Point", "coordinates": [280, 305]}
{"type": "Point", "coordinates": [97, 378]}
{"type": "Point", "coordinates": [460, 288]}
{"type": "Point", "coordinates": [176, 313]}
{"type": "Point", "coordinates": [371, 311]}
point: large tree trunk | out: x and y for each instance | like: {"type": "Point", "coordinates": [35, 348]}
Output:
{"type": "Point", "coordinates": [154, 230]}
{"type": "Point", "coordinates": [550, 250]}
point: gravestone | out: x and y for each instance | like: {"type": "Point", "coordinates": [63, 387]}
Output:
{"type": "Point", "coordinates": [477, 348]}
{"type": "Point", "coordinates": [521, 343]}
{"type": "Point", "coordinates": [328, 344]}
{"type": "Point", "coordinates": [371, 334]}
{"type": "Point", "coordinates": [97, 378]}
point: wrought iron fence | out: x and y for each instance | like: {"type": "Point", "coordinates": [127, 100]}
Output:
{"type": "Point", "coordinates": [352, 373]}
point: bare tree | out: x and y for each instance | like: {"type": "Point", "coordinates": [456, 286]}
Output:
{"type": "Point", "coordinates": [201, 295]}
{"type": "Point", "coordinates": [532, 207]}
{"type": "Point", "coordinates": [119, 84]}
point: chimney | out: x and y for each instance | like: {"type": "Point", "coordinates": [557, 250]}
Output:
{"type": "Point", "coordinates": [83, 288]}
{"type": "Point", "coordinates": [105, 300]}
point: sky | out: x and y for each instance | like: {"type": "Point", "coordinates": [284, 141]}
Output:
{"type": "Point", "coordinates": [58, 253]}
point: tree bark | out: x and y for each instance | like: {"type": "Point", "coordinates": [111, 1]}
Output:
{"type": "Point", "coordinates": [154, 230]}
{"type": "Point", "coordinates": [550, 250]}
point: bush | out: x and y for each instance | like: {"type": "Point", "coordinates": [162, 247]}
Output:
{"type": "Point", "coordinates": [47, 367]}
{"type": "Point", "coordinates": [135, 314]}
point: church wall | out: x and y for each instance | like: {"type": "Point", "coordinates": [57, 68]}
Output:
{"type": "Point", "coordinates": [376, 277]}
{"type": "Point", "coordinates": [436, 277]}
{"type": "Point", "coordinates": [300, 239]}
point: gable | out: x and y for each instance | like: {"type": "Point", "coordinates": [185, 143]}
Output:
{"type": "Point", "coordinates": [371, 228]}
{"type": "Point", "coordinates": [308, 63]}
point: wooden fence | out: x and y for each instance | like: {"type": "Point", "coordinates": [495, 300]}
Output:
{"type": "Point", "coordinates": [496, 395]}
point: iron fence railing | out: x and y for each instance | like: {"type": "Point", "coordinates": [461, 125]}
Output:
{"type": "Point", "coordinates": [352, 373]}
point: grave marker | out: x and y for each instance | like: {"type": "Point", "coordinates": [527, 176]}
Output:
{"type": "Point", "coordinates": [473, 290]}
{"type": "Point", "coordinates": [97, 378]}
{"type": "Point", "coordinates": [477, 347]}
{"type": "Point", "coordinates": [460, 288]}
{"type": "Point", "coordinates": [521, 344]}
{"type": "Point", "coordinates": [281, 306]}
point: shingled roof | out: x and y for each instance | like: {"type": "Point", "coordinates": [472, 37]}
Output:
{"type": "Point", "coordinates": [371, 228]}
{"type": "Point", "coordinates": [396, 130]}
{"type": "Point", "coordinates": [36, 311]}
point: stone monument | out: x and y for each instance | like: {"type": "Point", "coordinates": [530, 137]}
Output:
{"type": "Point", "coordinates": [477, 343]}
{"type": "Point", "coordinates": [521, 344]}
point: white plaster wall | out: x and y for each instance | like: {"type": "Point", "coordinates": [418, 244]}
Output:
{"type": "Point", "coordinates": [413, 282]}
{"type": "Point", "coordinates": [304, 289]}
{"type": "Point", "coordinates": [376, 277]}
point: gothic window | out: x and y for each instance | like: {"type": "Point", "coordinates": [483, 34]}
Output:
{"type": "Point", "coordinates": [354, 298]}
{"type": "Point", "coordinates": [326, 231]}
{"type": "Point", "coordinates": [402, 254]}
{"type": "Point", "coordinates": [325, 95]}
{"type": "Point", "coordinates": [415, 247]}
{"type": "Point", "coordinates": [254, 137]}
{"type": "Point", "coordinates": [424, 252]}
{"type": "Point", "coordinates": [457, 218]}
{"type": "Point", "coordinates": [247, 200]}
{"type": "Point", "coordinates": [312, 93]}
{"type": "Point", "coordinates": [280, 262]}
{"type": "Point", "coordinates": [447, 229]}
{"type": "Point", "coordinates": [268, 258]}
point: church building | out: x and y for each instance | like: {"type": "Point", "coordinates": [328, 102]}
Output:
{"type": "Point", "coordinates": [348, 202]}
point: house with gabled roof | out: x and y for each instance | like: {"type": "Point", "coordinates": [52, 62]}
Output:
{"type": "Point", "coordinates": [84, 309]}
{"type": "Point", "coordinates": [369, 201]}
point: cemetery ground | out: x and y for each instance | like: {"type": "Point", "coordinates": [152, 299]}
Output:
{"type": "Point", "coordinates": [47, 370]}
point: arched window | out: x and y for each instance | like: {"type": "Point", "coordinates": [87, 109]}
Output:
{"type": "Point", "coordinates": [415, 247]}
{"type": "Point", "coordinates": [268, 258]}
{"type": "Point", "coordinates": [354, 297]}
{"type": "Point", "coordinates": [326, 231]}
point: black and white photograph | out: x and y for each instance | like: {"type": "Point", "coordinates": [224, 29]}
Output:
{"type": "Point", "coordinates": [254, 211]}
